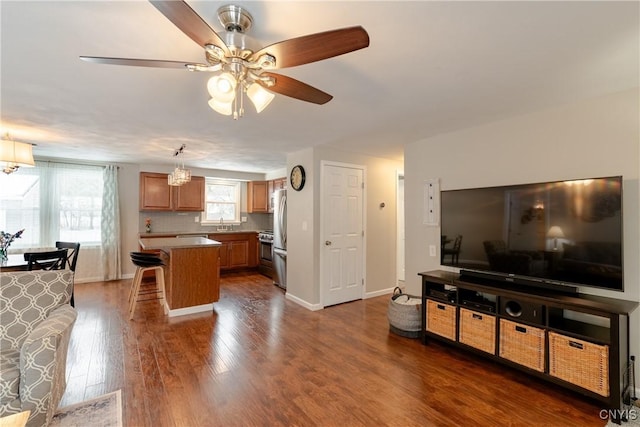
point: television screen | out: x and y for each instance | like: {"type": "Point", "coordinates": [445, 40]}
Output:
{"type": "Point", "coordinates": [563, 232]}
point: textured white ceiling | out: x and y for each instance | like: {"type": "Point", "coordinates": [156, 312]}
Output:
{"type": "Point", "coordinates": [432, 67]}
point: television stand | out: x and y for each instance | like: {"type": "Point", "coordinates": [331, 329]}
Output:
{"type": "Point", "coordinates": [577, 341]}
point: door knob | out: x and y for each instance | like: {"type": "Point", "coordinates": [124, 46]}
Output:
{"type": "Point", "coordinates": [327, 242]}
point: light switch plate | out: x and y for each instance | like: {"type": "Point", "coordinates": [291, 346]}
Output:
{"type": "Point", "coordinates": [432, 250]}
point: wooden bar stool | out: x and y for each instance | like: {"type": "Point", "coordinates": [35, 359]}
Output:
{"type": "Point", "coordinates": [145, 262]}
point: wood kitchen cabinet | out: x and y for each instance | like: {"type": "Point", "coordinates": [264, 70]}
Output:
{"type": "Point", "coordinates": [274, 185]}
{"type": "Point", "coordinates": [157, 195]}
{"type": "Point", "coordinates": [279, 184]}
{"type": "Point", "coordinates": [239, 250]}
{"type": "Point", "coordinates": [258, 196]}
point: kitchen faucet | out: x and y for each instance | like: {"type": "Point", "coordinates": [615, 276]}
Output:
{"type": "Point", "coordinates": [223, 227]}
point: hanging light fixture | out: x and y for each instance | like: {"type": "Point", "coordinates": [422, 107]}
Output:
{"type": "Point", "coordinates": [15, 154]}
{"type": "Point", "coordinates": [180, 175]}
{"type": "Point", "coordinates": [228, 87]}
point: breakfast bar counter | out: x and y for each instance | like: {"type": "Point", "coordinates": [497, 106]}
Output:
{"type": "Point", "coordinates": [191, 272]}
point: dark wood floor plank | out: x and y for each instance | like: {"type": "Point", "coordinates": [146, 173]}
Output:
{"type": "Point", "coordinates": [259, 359]}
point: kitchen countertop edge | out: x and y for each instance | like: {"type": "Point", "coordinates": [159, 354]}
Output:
{"type": "Point", "coordinates": [143, 235]}
{"type": "Point", "coordinates": [168, 243]}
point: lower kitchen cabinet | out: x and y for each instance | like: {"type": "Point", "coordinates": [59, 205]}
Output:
{"type": "Point", "coordinates": [238, 250]}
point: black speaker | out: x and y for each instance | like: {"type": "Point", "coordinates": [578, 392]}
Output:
{"type": "Point", "coordinates": [523, 311]}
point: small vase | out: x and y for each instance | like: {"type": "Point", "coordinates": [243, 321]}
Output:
{"type": "Point", "coordinates": [3, 254]}
{"type": "Point", "coordinates": [148, 228]}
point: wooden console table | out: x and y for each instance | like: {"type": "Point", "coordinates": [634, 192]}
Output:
{"type": "Point", "coordinates": [577, 341]}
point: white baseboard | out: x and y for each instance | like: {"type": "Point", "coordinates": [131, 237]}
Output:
{"type": "Point", "coordinates": [189, 310]}
{"type": "Point", "coordinates": [387, 291]}
{"type": "Point", "coordinates": [305, 304]}
{"type": "Point", "coordinates": [101, 279]}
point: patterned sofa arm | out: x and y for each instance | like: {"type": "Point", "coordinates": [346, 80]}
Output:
{"type": "Point", "coordinates": [43, 359]}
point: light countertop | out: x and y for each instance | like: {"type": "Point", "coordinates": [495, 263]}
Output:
{"type": "Point", "coordinates": [143, 235]}
{"type": "Point", "coordinates": [168, 243]}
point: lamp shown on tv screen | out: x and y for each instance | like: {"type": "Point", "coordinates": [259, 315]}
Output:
{"type": "Point", "coordinates": [554, 233]}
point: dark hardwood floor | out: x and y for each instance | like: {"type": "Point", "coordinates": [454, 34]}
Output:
{"type": "Point", "coordinates": [261, 360]}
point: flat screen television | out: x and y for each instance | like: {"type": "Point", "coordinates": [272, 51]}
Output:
{"type": "Point", "coordinates": [561, 234]}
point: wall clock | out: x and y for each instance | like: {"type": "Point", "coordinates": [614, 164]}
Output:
{"type": "Point", "coordinates": [297, 177]}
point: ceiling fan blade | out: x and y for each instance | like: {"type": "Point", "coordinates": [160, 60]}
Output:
{"type": "Point", "coordinates": [295, 89]}
{"type": "Point", "coordinates": [190, 23]}
{"type": "Point", "coordinates": [315, 47]}
{"type": "Point", "coordinates": [138, 62]}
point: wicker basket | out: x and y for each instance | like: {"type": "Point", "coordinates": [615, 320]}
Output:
{"type": "Point", "coordinates": [405, 314]}
{"type": "Point", "coordinates": [579, 362]}
{"type": "Point", "coordinates": [522, 344]}
{"type": "Point", "coordinates": [478, 330]}
{"type": "Point", "coordinates": [441, 319]}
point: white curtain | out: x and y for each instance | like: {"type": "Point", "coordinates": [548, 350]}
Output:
{"type": "Point", "coordinates": [110, 225]}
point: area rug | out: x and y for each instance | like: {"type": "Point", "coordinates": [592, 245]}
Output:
{"type": "Point", "coordinates": [632, 414]}
{"type": "Point", "coordinates": [103, 411]}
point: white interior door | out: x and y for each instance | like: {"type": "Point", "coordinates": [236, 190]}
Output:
{"type": "Point", "coordinates": [343, 234]}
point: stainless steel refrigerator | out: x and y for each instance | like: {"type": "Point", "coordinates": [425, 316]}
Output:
{"type": "Point", "coordinates": [280, 238]}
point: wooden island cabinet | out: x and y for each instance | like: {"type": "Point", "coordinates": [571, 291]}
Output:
{"type": "Point", "coordinates": [157, 195]}
{"type": "Point", "coordinates": [191, 272]}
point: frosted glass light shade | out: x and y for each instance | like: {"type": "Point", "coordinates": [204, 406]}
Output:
{"type": "Point", "coordinates": [259, 96]}
{"type": "Point", "coordinates": [221, 107]}
{"type": "Point", "coordinates": [222, 87]}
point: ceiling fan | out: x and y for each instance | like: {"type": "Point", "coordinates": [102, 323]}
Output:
{"type": "Point", "coordinates": [241, 65]}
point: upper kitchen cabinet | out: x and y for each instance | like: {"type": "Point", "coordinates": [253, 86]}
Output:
{"type": "Point", "coordinates": [279, 184]}
{"type": "Point", "coordinates": [190, 196]}
{"type": "Point", "coordinates": [258, 196]}
{"type": "Point", "coordinates": [274, 185]}
{"type": "Point", "coordinates": [157, 195]}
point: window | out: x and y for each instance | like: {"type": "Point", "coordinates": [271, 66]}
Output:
{"type": "Point", "coordinates": [222, 201]}
{"type": "Point", "coordinates": [52, 201]}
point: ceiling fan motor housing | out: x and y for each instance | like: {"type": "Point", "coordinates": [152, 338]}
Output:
{"type": "Point", "coordinates": [237, 21]}
{"type": "Point", "coordinates": [235, 18]}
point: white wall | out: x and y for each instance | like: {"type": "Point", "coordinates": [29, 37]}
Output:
{"type": "Point", "coordinates": [303, 247]}
{"type": "Point", "coordinates": [596, 137]}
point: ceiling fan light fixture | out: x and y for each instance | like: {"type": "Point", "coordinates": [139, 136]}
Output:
{"type": "Point", "coordinates": [222, 87]}
{"type": "Point", "coordinates": [259, 96]}
{"type": "Point", "coordinates": [225, 108]}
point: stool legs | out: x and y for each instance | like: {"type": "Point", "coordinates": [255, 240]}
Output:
{"type": "Point", "coordinates": [134, 293]}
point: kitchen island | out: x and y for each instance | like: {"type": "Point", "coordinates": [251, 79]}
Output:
{"type": "Point", "coordinates": [191, 272]}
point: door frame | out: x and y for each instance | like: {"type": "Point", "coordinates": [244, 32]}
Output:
{"type": "Point", "coordinates": [323, 164]}
{"type": "Point", "coordinates": [400, 252]}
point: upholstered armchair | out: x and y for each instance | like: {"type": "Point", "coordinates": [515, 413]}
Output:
{"type": "Point", "coordinates": [35, 327]}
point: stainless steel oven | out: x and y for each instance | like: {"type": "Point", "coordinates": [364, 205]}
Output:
{"type": "Point", "coordinates": [265, 253]}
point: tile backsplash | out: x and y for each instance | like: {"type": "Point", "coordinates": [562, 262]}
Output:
{"type": "Point", "coordinates": [183, 222]}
